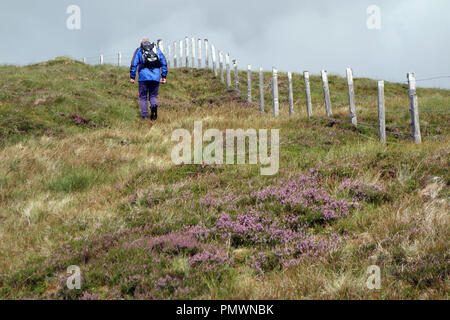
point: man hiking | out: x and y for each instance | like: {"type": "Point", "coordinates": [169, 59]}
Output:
{"type": "Point", "coordinates": [152, 68]}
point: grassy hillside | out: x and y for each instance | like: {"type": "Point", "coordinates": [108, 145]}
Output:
{"type": "Point", "coordinates": [84, 181]}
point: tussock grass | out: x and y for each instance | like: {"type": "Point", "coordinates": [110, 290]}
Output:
{"type": "Point", "coordinates": [80, 192]}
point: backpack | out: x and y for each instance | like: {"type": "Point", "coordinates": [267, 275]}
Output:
{"type": "Point", "coordinates": [150, 56]}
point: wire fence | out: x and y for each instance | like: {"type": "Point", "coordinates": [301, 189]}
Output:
{"type": "Point", "coordinates": [198, 53]}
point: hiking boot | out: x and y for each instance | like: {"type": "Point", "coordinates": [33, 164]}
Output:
{"type": "Point", "coordinates": [154, 113]}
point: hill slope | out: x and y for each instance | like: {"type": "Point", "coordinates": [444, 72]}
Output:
{"type": "Point", "coordinates": [83, 181]}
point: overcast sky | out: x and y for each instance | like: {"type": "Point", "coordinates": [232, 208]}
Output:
{"type": "Point", "coordinates": [293, 35]}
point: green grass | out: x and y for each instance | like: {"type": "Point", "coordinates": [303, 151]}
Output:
{"type": "Point", "coordinates": [83, 193]}
{"type": "Point", "coordinates": [74, 180]}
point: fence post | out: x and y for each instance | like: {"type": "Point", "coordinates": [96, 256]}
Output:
{"type": "Point", "coordinates": [414, 108]}
{"type": "Point", "coordinates": [101, 59]}
{"type": "Point", "coordinates": [236, 76]}
{"type": "Point", "coordinates": [160, 45]}
{"type": "Point", "coordinates": [181, 53]}
{"type": "Point", "coordinates": [228, 70]}
{"type": "Point", "coordinates": [169, 60]}
{"type": "Point", "coordinates": [261, 90]}
{"type": "Point", "coordinates": [119, 59]}
{"type": "Point", "coordinates": [213, 53]}
{"type": "Point", "coordinates": [199, 53]}
{"type": "Point", "coordinates": [275, 101]}
{"type": "Point", "coordinates": [381, 113]}
{"type": "Point", "coordinates": [290, 94]}
{"type": "Point", "coordinates": [175, 54]}
{"type": "Point", "coordinates": [249, 83]}
{"type": "Point", "coordinates": [351, 97]}
{"type": "Point", "coordinates": [193, 53]}
{"type": "Point", "coordinates": [186, 51]}
{"type": "Point", "coordinates": [206, 54]}
{"type": "Point", "coordinates": [221, 66]}
{"type": "Point", "coordinates": [326, 93]}
{"type": "Point", "coordinates": [307, 93]}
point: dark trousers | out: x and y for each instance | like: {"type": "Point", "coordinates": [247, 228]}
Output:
{"type": "Point", "coordinates": [148, 90]}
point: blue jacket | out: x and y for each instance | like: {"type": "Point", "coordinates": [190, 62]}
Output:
{"type": "Point", "coordinates": [146, 74]}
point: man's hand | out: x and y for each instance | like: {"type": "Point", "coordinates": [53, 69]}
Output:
{"type": "Point", "coordinates": [163, 80]}
{"type": "Point", "coordinates": [132, 80]}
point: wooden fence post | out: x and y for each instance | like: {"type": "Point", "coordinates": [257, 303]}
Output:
{"type": "Point", "coordinates": [193, 53]}
{"type": "Point", "coordinates": [199, 53]}
{"type": "Point", "coordinates": [206, 54]}
{"type": "Point", "coordinates": [186, 51]}
{"type": "Point", "coordinates": [101, 59]}
{"type": "Point", "coordinates": [119, 59]}
{"type": "Point", "coordinates": [326, 93]}
{"type": "Point", "coordinates": [275, 100]}
{"type": "Point", "coordinates": [381, 113]}
{"type": "Point", "coordinates": [228, 70]}
{"type": "Point", "coordinates": [181, 53]}
{"type": "Point", "coordinates": [261, 90]}
{"type": "Point", "coordinates": [290, 94]}
{"type": "Point", "coordinates": [249, 83]}
{"type": "Point", "coordinates": [169, 60]}
{"type": "Point", "coordinates": [213, 53]}
{"type": "Point", "coordinates": [221, 66]}
{"type": "Point", "coordinates": [307, 93]}
{"type": "Point", "coordinates": [414, 108]}
{"type": "Point", "coordinates": [175, 54]}
{"type": "Point", "coordinates": [351, 97]}
{"type": "Point", "coordinates": [236, 76]}
{"type": "Point", "coordinates": [160, 45]}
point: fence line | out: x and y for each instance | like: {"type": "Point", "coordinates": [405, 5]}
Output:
{"type": "Point", "coordinates": [201, 50]}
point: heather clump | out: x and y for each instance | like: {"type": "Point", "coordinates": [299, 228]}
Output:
{"type": "Point", "coordinates": [227, 201]}
{"type": "Point", "coordinates": [172, 243]}
{"type": "Point", "coordinates": [275, 222]}
{"type": "Point", "coordinates": [211, 259]}
{"type": "Point", "coordinates": [82, 251]}
{"type": "Point", "coordinates": [303, 196]}
{"type": "Point", "coordinates": [277, 242]}
{"type": "Point", "coordinates": [168, 283]}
